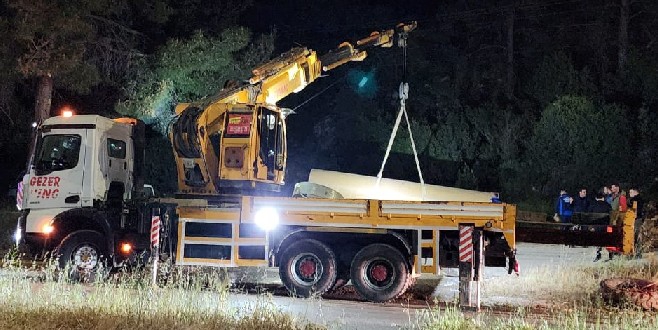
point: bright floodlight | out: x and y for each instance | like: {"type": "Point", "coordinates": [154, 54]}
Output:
{"type": "Point", "coordinates": [267, 218]}
{"type": "Point", "coordinates": [67, 113]}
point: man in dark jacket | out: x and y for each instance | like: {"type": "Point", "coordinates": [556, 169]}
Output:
{"type": "Point", "coordinates": [581, 202]}
{"type": "Point", "coordinates": [602, 207]}
{"type": "Point", "coordinates": [599, 205]}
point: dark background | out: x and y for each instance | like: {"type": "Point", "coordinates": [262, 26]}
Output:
{"type": "Point", "coordinates": [520, 97]}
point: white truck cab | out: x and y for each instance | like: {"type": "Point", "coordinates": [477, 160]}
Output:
{"type": "Point", "coordinates": [83, 169]}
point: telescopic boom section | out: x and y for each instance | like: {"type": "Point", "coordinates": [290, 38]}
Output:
{"type": "Point", "coordinates": [292, 71]}
{"type": "Point", "coordinates": [235, 141]}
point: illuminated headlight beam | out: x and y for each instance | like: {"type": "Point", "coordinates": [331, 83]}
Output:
{"type": "Point", "coordinates": [267, 218]}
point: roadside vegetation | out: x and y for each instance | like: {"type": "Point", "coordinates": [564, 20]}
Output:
{"type": "Point", "coordinates": [524, 319]}
{"type": "Point", "coordinates": [8, 221]}
{"type": "Point", "coordinates": [38, 297]}
{"type": "Point", "coordinates": [553, 297]}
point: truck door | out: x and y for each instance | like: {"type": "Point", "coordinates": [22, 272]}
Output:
{"type": "Point", "coordinates": [119, 172]}
{"type": "Point", "coordinates": [58, 170]}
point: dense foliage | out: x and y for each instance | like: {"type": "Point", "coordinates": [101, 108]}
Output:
{"type": "Point", "coordinates": [524, 98]}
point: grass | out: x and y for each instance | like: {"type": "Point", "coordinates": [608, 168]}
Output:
{"type": "Point", "coordinates": [566, 284]}
{"type": "Point", "coordinates": [452, 318]}
{"type": "Point", "coordinates": [198, 298]}
{"type": "Point", "coordinates": [8, 221]}
{"type": "Point", "coordinates": [186, 298]}
{"type": "Point", "coordinates": [559, 297]}
{"type": "Point", "coordinates": [90, 318]}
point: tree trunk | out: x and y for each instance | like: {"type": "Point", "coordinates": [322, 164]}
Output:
{"type": "Point", "coordinates": [44, 98]}
{"type": "Point", "coordinates": [41, 109]}
{"type": "Point", "coordinates": [510, 54]}
{"type": "Point", "coordinates": [623, 35]}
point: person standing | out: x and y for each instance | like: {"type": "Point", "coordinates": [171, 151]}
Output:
{"type": "Point", "coordinates": [619, 205]}
{"type": "Point", "coordinates": [563, 207]}
{"type": "Point", "coordinates": [602, 207]}
{"type": "Point", "coordinates": [637, 201]}
{"type": "Point", "coordinates": [581, 202]}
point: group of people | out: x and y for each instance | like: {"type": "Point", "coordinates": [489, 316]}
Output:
{"type": "Point", "coordinates": [608, 200]}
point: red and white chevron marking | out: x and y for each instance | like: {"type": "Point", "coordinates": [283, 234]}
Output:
{"type": "Point", "coordinates": [155, 231]}
{"type": "Point", "coordinates": [19, 196]}
{"type": "Point", "coordinates": [465, 243]}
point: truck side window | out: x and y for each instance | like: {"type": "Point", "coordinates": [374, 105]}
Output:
{"type": "Point", "coordinates": [116, 148]}
{"type": "Point", "coordinates": [57, 152]}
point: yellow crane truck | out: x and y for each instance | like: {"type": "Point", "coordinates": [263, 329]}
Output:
{"type": "Point", "coordinates": [83, 198]}
{"type": "Point", "coordinates": [71, 207]}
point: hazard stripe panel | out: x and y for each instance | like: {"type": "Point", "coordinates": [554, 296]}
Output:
{"type": "Point", "coordinates": [465, 243]}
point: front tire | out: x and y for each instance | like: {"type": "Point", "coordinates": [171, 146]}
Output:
{"type": "Point", "coordinates": [308, 267]}
{"type": "Point", "coordinates": [379, 273]}
{"type": "Point", "coordinates": [82, 256]}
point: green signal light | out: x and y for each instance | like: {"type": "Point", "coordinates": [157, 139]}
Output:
{"type": "Point", "coordinates": [363, 82]}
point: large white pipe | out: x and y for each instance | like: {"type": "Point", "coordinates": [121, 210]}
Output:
{"type": "Point", "coordinates": [354, 186]}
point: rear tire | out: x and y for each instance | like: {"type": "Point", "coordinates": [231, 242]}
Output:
{"type": "Point", "coordinates": [379, 273]}
{"type": "Point", "coordinates": [82, 256]}
{"type": "Point", "coordinates": [308, 267]}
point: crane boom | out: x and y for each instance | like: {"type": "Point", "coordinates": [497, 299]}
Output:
{"type": "Point", "coordinates": [235, 141]}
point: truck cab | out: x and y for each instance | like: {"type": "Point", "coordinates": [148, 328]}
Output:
{"type": "Point", "coordinates": [83, 171]}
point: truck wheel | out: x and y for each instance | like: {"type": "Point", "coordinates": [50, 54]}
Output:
{"type": "Point", "coordinates": [308, 267]}
{"type": "Point", "coordinates": [379, 273]}
{"type": "Point", "coordinates": [83, 256]}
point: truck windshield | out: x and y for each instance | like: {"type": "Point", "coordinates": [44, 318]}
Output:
{"type": "Point", "coordinates": [58, 152]}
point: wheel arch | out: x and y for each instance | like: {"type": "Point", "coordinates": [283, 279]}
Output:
{"type": "Point", "coordinates": [77, 220]}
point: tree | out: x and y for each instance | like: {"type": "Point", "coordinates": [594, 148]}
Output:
{"type": "Point", "coordinates": [624, 17]}
{"type": "Point", "coordinates": [576, 143]}
{"type": "Point", "coordinates": [15, 128]}
{"type": "Point", "coordinates": [53, 36]}
{"type": "Point", "coordinates": [556, 76]}
{"type": "Point", "coordinates": [186, 70]}
{"type": "Point", "coordinates": [75, 44]}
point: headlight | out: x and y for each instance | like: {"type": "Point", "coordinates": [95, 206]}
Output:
{"type": "Point", "coordinates": [267, 218]}
{"type": "Point", "coordinates": [48, 229]}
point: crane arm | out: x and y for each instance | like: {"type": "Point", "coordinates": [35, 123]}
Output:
{"type": "Point", "coordinates": [294, 70]}
{"type": "Point", "coordinates": [346, 52]}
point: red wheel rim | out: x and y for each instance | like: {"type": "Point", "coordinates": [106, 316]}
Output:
{"type": "Point", "coordinates": [379, 273]}
{"type": "Point", "coordinates": [307, 268]}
